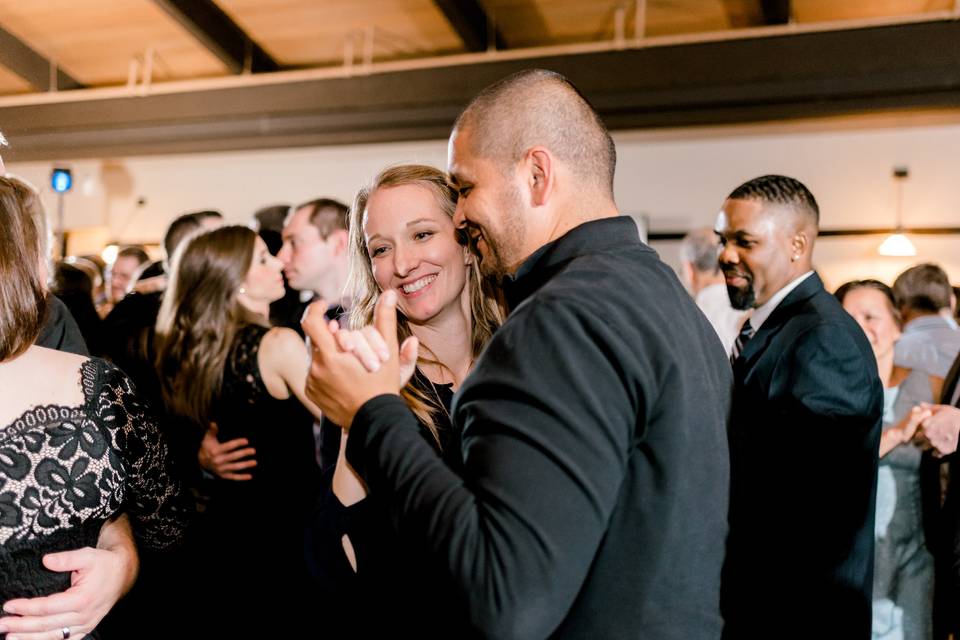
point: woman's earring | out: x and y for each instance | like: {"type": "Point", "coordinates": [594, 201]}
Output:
{"type": "Point", "coordinates": [241, 290]}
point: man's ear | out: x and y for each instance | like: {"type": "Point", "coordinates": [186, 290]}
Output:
{"type": "Point", "coordinates": [340, 239]}
{"type": "Point", "coordinates": [540, 175]}
{"type": "Point", "coordinates": [799, 244]}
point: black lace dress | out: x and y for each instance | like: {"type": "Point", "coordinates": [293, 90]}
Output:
{"type": "Point", "coordinates": [252, 533]}
{"type": "Point", "coordinates": [64, 470]}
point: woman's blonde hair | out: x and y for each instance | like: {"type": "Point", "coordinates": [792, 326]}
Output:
{"type": "Point", "coordinates": [484, 310]}
{"type": "Point", "coordinates": [200, 316]}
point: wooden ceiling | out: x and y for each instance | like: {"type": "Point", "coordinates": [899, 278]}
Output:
{"type": "Point", "coordinates": [100, 43]}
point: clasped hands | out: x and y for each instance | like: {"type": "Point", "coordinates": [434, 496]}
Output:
{"type": "Point", "coordinates": [348, 368]}
{"type": "Point", "coordinates": [932, 426]}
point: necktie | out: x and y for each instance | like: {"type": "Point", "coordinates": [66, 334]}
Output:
{"type": "Point", "coordinates": [746, 332]}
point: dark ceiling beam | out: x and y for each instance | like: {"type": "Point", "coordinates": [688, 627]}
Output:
{"type": "Point", "coordinates": [756, 13]}
{"type": "Point", "coordinates": [472, 23]}
{"type": "Point", "coordinates": [775, 78]}
{"type": "Point", "coordinates": [775, 11]}
{"type": "Point", "coordinates": [30, 65]}
{"type": "Point", "coordinates": [220, 34]}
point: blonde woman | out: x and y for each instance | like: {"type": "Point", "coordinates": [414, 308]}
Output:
{"type": "Point", "coordinates": [402, 237]}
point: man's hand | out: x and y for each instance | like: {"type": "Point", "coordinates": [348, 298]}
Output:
{"type": "Point", "coordinates": [99, 577]}
{"type": "Point", "coordinates": [940, 430]}
{"type": "Point", "coordinates": [338, 382]}
{"type": "Point", "coordinates": [226, 459]}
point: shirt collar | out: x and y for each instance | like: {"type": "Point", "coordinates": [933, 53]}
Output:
{"type": "Point", "coordinates": [925, 323]}
{"type": "Point", "coordinates": [594, 236]}
{"type": "Point", "coordinates": [761, 313]}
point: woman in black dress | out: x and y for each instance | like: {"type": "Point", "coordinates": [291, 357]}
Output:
{"type": "Point", "coordinates": [78, 447]}
{"type": "Point", "coordinates": [402, 237]}
{"type": "Point", "coordinates": [219, 362]}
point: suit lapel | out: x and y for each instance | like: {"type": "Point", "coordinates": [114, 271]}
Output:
{"type": "Point", "coordinates": [772, 325]}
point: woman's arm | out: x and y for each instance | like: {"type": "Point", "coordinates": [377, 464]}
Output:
{"type": "Point", "coordinates": [283, 360]}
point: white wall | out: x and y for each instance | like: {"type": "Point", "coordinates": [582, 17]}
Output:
{"type": "Point", "coordinates": [678, 178]}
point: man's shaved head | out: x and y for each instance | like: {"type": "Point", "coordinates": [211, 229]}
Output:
{"type": "Point", "coordinates": [538, 107]}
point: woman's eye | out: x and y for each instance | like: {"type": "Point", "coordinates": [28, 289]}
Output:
{"type": "Point", "coordinates": [422, 235]}
{"type": "Point", "coordinates": [377, 251]}
{"type": "Point", "coordinates": [464, 191]}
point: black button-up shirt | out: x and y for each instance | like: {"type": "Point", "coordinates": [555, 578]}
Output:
{"type": "Point", "coordinates": [593, 500]}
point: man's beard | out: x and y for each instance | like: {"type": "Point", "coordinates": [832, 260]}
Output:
{"type": "Point", "coordinates": [742, 299]}
{"type": "Point", "coordinates": [503, 253]}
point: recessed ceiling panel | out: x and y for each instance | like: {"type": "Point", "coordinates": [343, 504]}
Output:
{"type": "Point", "coordinates": [95, 40]}
{"type": "Point", "coordinates": [314, 32]}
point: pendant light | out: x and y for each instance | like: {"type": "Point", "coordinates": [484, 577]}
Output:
{"type": "Point", "coordinates": [897, 244]}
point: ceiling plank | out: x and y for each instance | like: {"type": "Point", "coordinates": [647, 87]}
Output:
{"type": "Point", "coordinates": [220, 34]}
{"type": "Point", "coordinates": [30, 65]}
{"type": "Point", "coordinates": [472, 24]}
{"type": "Point", "coordinates": [772, 78]}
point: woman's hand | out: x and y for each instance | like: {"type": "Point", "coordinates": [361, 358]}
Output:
{"type": "Point", "coordinates": [904, 431]}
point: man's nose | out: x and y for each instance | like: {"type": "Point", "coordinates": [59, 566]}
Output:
{"type": "Point", "coordinates": [459, 218]}
{"type": "Point", "coordinates": [728, 255]}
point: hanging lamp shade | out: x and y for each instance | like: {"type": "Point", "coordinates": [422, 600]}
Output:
{"type": "Point", "coordinates": [897, 245]}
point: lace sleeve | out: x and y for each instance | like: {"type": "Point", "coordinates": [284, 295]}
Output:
{"type": "Point", "coordinates": [153, 497]}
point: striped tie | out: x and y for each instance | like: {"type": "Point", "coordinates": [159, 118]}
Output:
{"type": "Point", "coordinates": [746, 332]}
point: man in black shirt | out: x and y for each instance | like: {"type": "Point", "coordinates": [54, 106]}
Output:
{"type": "Point", "coordinates": [593, 500]}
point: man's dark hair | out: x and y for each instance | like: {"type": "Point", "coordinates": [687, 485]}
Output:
{"type": "Point", "coordinates": [536, 106]}
{"type": "Point", "coordinates": [271, 218]}
{"type": "Point", "coordinates": [327, 215]}
{"type": "Point", "coordinates": [776, 189]}
{"type": "Point", "coordinates": [924, 288]}
{"type": "Point", "coordinates": [184, 225]}
{"type": "Point", "coordinates": [180, 228]}
{"type": "Point", "coordinates": [134, 251]}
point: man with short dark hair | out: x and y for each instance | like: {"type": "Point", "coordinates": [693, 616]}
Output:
{"type": "Point", "coordinates": [314, 252]}
{"type": "Point", "coordinates": [804, 431]}
{"type": "Point", "coordinates": [593, 500]}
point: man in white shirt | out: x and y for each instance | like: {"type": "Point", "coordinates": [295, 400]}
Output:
{"type": "Point", "coordinates": [701, 272]}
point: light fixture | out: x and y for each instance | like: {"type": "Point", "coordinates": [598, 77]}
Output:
{"type": "Point", "coordinates": [109, 253]}
{"type": "Point", "coordinates": [897, 244]}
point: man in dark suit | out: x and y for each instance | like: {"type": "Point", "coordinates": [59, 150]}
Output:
{"type": "Point", "coordinates": [804, 430]}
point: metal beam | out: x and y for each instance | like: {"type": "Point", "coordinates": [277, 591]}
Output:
{"type": "Point", "coordinates": [30, 65]}
{"type": "Point", "coordinates": [220, 34]}
{"type": "Point", "coordinates": [472, 24]}
{"type": "Point", "coordinates": [795, 76]}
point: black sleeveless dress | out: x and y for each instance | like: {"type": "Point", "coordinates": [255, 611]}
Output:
{"type": "Point", "coordinates": [250, 539]}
